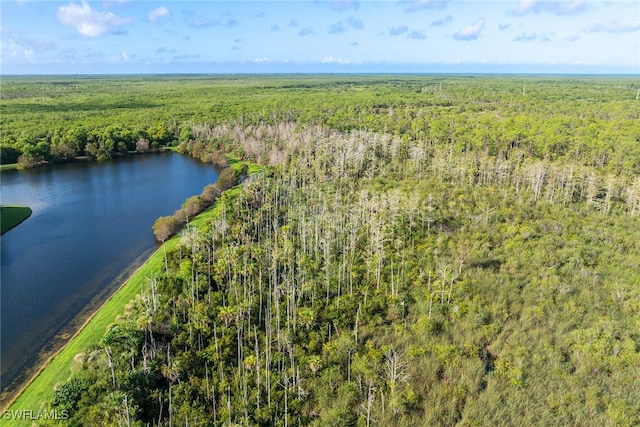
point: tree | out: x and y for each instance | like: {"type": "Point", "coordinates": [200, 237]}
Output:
{"type": "Point", "coordinates": [63, 152]}
{"type": "Point", "coordinates": [8, 154]}
{"type": "Point", "coordinates": [142, 146]}
{"type": "Point", "coordinates": [159, 134]}
{"type": "Point", "coordinates": [226, 180]}
{"type": "Point", "coordinates": [210, 193]}
{"type": "Point", "coordinates": [165, 227]}
{"type": "Point", "coordinates": [69, 394]}
{"type": "Point", "coordinates": [192, 206]}
{"type": "Point", "coordinates": [242, 313]}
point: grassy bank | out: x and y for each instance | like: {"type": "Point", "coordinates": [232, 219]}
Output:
{"type": "Point", "coordinates": [39, 390]}
{"type": "Point", "coordinates": [11, 216]}
{"type": "Point", "coordinates": [59, 367]}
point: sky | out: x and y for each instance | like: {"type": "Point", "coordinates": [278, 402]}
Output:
{"type": "Point", "coordinates": [421, 36]}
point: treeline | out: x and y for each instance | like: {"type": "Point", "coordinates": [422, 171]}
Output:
{"type": "Point", "coordinates": [562, 182]}
{"type": "Point", "coordinates": [359, 281]}
{"type": "Point", "coordinates": [66, 145]}
{"type": "Point", "coordinates": [167, 226]}
{"type": "Point", "coordinates": [588, 121]}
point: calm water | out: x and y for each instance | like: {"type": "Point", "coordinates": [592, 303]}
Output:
{"type": "Point", "coordinates": [90, 227]}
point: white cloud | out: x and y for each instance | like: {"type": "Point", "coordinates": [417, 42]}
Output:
{"type": "Point", "coordinates": [330, 59]}
{"type": "Point", "coordinates": [526, 37]}
{"type": "Point", "coordinates": [342, 5]}
{"type": "Point", "coordinates": [306, 31]}
{"type": "Point", "coordinates": [442, 21]}
{"type": "Point", "coordinates": [572, 7]}
{"type": "Point", "coordinates": [418, 5]}
{"type": "Point", "coordinates": [120, 59]}
{"type": "Point", "coordinates": [527, 6]}
{"type": "Point", "coordinates": [626, 26]}
{"type": "Point", "coordinates": [262, 60]}
{"type": "Point", "coordinates": [159, 12]}
{"type": "Point", "coordinates": [89, 22]}
{"type": "Point", "coordinates": [19, 41]}
{"type": "Point", "coordinates": [396, 31]}
{"type": "Point", "coordinates": [16, 50]}
{"type": "Point", "coordinates": [19, 47]}
{"type": "Point", "coordinates": [470, 32]}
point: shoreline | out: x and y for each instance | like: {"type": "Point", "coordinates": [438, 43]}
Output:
{"type": "Point", "coordinates": [38, 389]}
{"type": "Point", "coordinates": [13, 216]}
{"type": "Point", "coordinates": [29, 364]}
{"type": "Point", "coordinates": [68, 333]}
{"type": "Point", "coordinates": [63, 338]}
{"type": "Point", "coordinates": [84, 159]}
{"type": "Point", "coordinates": [56, 369]}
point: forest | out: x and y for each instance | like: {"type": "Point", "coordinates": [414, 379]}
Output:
{"type": "Point", "coordinates": [406, 250]}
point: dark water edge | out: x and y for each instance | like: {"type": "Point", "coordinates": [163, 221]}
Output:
{"type": "Point", "coordinates": [16, 220]}
{"type": "Point", "coordinates": [37, 317]}
{"type": "Point", "coordinates": [35, 363]}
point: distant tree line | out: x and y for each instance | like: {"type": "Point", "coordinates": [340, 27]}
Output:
{"type": "Point", "coordinates": [586, 121]}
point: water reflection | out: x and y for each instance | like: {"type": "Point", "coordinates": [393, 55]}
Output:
{"type": "Point", "coordinates": [89, 222]}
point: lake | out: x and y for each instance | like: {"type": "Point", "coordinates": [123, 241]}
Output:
{"type": "Point", "coordinates": [91, 227]}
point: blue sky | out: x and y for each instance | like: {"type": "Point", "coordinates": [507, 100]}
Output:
{"type": "Point", "coordinates": [120, 36]}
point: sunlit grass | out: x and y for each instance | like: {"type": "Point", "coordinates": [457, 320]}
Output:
{"type": "Point", "coordinates": [39, 391]}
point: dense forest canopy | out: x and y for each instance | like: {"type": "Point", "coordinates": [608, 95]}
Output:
{"type": "Point", "coordinates": [415, 250]}
{"type": "Point", "coordinates": [585, 120]}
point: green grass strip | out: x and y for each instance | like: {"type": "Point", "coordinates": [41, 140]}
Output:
{"type": "Point", "coordinates": [236, 164]}
{"type": "Point", "coordinates": [9, 166]}
{"type": "Point", "coordinates": [11, 216]}
{"type": "Point", "coordinates": [58, 369]}
{"type": "Point", "coordinates": [40, 389]}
